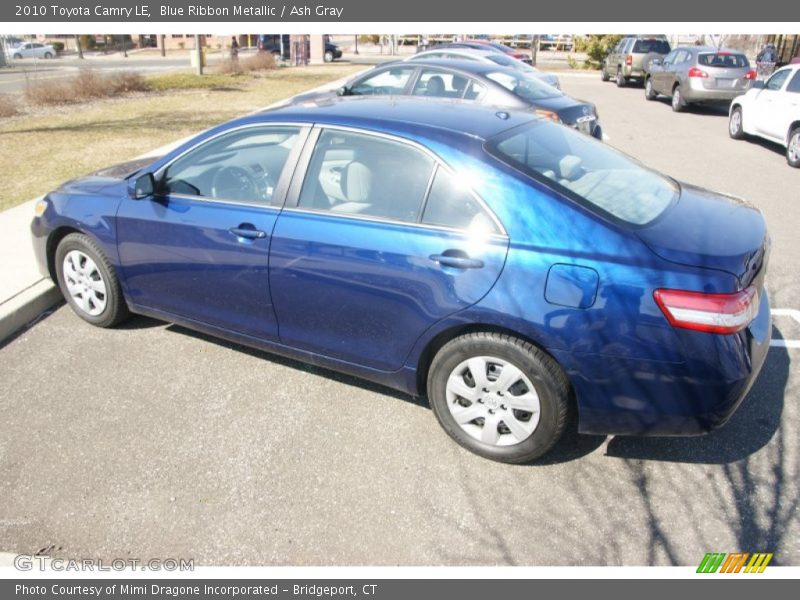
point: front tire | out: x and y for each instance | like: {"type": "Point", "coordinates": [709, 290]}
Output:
{"type": "Point", "coordinates": [793, 148]}
{"type": "Point", "coordinates": [678, 103]}
{"type": "Point", "coordinates": [603, 75]}
{"type": "Point", "coordinates": [48, 55]}
{"type": "Point", "coordinates": [498, 396]}
{"type": "Point", "coordinates": [88, 281]}
{"type": "Point", "coordinates": [328, 56]}
{"type": "Point", "coordinates": [649, 92]}
{"type": "Point", "coordinates": [735, 126]}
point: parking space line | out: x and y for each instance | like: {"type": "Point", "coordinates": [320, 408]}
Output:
{"type": "Point", "coordinates": [786, 312]}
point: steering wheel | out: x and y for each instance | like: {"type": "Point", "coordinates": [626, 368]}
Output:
{"type": "Point", "coordinates": [234, 183]}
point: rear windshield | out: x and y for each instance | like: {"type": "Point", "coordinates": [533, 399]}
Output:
{"type": "Point", "coordinates": [586, 169]}
{"type": "Point", "coordinates": [645, 46]}
{"type": "Point", "coordinates": [523, 85]}
{"type": "Point", "coordinates": [723, 60]}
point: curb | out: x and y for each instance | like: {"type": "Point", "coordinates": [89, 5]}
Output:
{"type": "Point", "coordinates": [25, 307]}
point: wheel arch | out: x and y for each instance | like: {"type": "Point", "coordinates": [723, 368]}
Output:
{"type": "Point", "coordinates": [792, 127]}
{"type": "Point", "coordinates": [439, 340]}
{"type": "Point", "coordinates": [53, 240]}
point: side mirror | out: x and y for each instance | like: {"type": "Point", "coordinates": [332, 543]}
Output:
{"type": "Point", "coordinates": [142, 187]}
{"type": "Point", "coordinates": [343, 91]}
{"type": "Point", "coordinates": [759, 84]}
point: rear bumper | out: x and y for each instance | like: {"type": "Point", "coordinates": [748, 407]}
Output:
{"type": "Point", "coordinates": [626, 396]}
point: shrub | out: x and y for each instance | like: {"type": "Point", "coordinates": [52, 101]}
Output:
{"type": "Point", "coordinates": [596, 47]}
{"type": "Point", "coordinates": [373, 38]}
{"type": "Point", "coordinates": [57, 46]}
{"type": "Point", "coordinates": [88, 42]}
{"type": "Point", "coordinates": [262, 61]}
{"type": "Point", "coordinates": [86, 85]}
{"type": "Point", "coordinates": [8, 108]}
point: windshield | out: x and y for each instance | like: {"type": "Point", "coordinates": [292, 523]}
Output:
{"type": "Point", "coordinates": [590, 170]}
{"type": "Point", "coordinates": [523, 85]}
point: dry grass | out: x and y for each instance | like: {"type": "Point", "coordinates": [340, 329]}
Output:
{"type": "Point", "coordinates": [85, 85]}
{"type": "Point", "coordinates": [63, 143]}
{"type": "Point", "coordinates": [8, 106]}
{"type": "Point", "coordinates": [258, 62]}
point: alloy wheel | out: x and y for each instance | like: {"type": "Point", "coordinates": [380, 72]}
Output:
{"type": "Point", "coordinates": [793, 150]}
{"type": "Point", "coordinates": [84, 283]}
{"type": "Point", "coordinates": [735, 124]}
{"type": "Point", "coordinates": [493, 401]}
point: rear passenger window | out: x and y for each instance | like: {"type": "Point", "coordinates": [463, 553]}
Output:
{"type": "Point", "coordinates": [453, 205]}
{"type": "Point", "coordinates": [440, 84]}
{"type": "Point", "coordinates": [364, 175]}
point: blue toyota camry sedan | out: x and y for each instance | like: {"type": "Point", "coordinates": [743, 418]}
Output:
{"type": "Point", "coordinates": [514, 271]}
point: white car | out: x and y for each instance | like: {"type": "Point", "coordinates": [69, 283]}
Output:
{"type": "Point", "coordinates": [33, 50]}
{"type": "Point", "coordinates": [771, 110]}
{"type": "Point", "coordinates": [487, 56]}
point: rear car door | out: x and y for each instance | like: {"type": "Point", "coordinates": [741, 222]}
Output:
{"type": "Point", "coordinates": [199, 247]}
{"type": "Point", "coordinates": [376, 243]}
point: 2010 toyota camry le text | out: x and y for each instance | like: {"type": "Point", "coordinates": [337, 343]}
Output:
{"type": "Point", "coordinates": [516, 272]}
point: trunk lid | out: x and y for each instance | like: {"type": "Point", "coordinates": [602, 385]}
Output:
{"type": "Point", "coordinates": [712, 231]}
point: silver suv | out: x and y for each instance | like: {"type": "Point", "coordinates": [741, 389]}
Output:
{"type": "Point", "coordinates": [696, 74]}
{"type": "Point", "coordinates": [631, 57]}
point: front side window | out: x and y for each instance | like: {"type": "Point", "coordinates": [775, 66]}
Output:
{"type": "Point", "coordinates": [242, 165]}
{"type": "Point", "coordinates": [391, 81]}
{"type": "Point", "coordinates": [794, 84]}
{"type": "Point", "coordinates": [523, 85]}
{"type": "Point", "coordinates": [775, 83]}
{"type": "Point", "coordinates": [587, 169]}
{"type": "Point", "coordinates": [364, 175]}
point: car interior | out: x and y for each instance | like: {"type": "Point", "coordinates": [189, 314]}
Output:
{"type": "Point", "coordinates": [242, 166]}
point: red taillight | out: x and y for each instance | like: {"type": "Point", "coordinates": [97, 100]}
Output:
{"type": "Point", "coordinates": [751, 74]}
{"type": "Point", "coordinates": [629, 60]}
{"type": "Point", "coordinates": [695, 72]}
{"type": "Point", "coordinates": [712, 313]}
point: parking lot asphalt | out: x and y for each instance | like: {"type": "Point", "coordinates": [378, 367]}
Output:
{"type": "Point", "coordinates": [151, 441]}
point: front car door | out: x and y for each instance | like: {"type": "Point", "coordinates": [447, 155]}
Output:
{"type": "Point", "coordinates": [376, 244]}
{"type": "Point", "coordinates": [770, 106]}
{"type": "Point", "coordinates": [658, 72]}
{"type": "Point", "coordinates": [198, 248]}
{"type": "Point", "coordinates": [393, 80]}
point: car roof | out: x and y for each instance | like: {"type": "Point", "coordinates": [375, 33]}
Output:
{"type": "Point", "coordinates": [466, 51]}
{"type": "Point", "coordinates": [414, 117]}
{"type": "Point", "coordinates": [466, 66]}
{"type": "Point", "coordinates": [712, 49]}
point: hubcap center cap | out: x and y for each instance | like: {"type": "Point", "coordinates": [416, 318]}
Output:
{"type": "Point", "coordinates": [492, 401]}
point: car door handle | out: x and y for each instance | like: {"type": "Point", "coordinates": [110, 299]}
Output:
{"type": "Point", "coordinates": [249, 233]}
{"type": "Point", "coordinates": [458, 261]}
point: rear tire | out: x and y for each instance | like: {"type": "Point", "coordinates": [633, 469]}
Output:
{"type": "Point", "coordinates": [649, 92]}
{"type": "Point", "coordinates": [735, 124]}
{"type": "Point", "coordinates": [88, 281]}
{"type": "Point", "coordinates": [793, 148]}
{"type": "Point", "coordinates": [678, 103]}
{"type": "Point", "coordinates": [516, 418]}
{"type": "Point", "coordinates": [620, 78]}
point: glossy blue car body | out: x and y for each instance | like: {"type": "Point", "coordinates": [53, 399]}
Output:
{"type": "Point", "coordinates": [363, 297]}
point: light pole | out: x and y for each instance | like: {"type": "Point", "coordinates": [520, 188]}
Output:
{"type": "Point", "coordinates": [356, 50]}
{"type": "Point", "coordinates": [198, 55]}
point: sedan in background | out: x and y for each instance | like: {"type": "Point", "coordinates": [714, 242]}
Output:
{"type": "Point", "coordinates": [488, 57]}
{"type": "Point", "coordinates": [771, 110]}
{"type": "Point", "coordinates": [488, 45]}
{"type": "Point", "coordinates": [484, 83]}
{"type": "Point", "coordinates": [515, 272]}
{"type": "Point", "coordinates": [693, 75]}
{"type": "Point", "coordinates": [33, 50]}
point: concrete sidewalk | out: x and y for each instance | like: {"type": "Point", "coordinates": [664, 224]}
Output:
{"type": "Point", "coordinates": [24, 293]}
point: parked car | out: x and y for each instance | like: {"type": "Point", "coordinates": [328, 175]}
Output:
{"type": "Point", "coordinates": [631, 58]}
{"type": "Point", "coordinates": [33, 50]}
{"type": "Point", "coordinates": [280, 47]}
{"type": "Point", "coordinates": [484, 83]}
{"type": "Point", "coordinates": [478, 44]}
{"type": "Point", "coordinates": [771, 110]}
{"type": "Point", "coordinates": [693, 74]}
{"type": "Point", "coordinates": [512, 270]}
{"type": "Point", "coordinates": [487, 56]}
